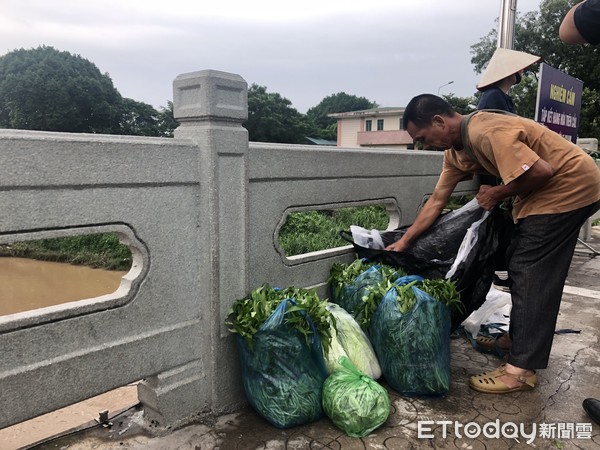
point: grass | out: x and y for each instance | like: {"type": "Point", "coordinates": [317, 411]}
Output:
{"type": "Point", "coordinates": [95, 250]}
{"type": "Point", "coordinates": [310, 231]}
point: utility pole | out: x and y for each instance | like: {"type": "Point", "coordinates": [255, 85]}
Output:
{"type": "Point", "coordinates": [506, 23]}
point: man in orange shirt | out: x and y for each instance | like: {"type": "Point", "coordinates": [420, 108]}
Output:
{"type": "Point", "coordinates": [556, 187]}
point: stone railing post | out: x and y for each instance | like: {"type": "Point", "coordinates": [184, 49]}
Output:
{"type": "Point", "coordinates": [211, 107]}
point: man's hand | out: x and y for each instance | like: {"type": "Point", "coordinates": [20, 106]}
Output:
{"type": "Point", "coordinates": [399, 246]}
{"type": "Point", "coordinates": [534, 178]}
{"type": "Point", "coordinates": [490, 196]}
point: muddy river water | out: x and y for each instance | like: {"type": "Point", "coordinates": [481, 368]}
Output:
{"type": "Point", "coordinates": [27, 284]}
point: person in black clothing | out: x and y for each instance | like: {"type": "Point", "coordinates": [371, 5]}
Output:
{"type": "Point", "coordinates": [502, 72]}
{"type": "Point", "coordinates": [581, 25]}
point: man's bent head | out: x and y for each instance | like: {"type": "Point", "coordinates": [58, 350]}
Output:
{"type": "Point", "coordinates": [426, 119]}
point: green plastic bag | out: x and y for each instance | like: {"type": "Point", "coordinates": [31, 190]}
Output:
{"type": "Point", "coordinates": [354, 402]}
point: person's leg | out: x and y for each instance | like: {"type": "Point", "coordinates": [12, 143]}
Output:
{"type": "Point", "coordinates": [540, 256]}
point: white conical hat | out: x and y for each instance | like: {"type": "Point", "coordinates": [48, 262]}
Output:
{"type": "Point", "coordinates": [505, 62]}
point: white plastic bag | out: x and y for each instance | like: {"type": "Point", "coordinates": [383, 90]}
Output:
{"type": "Point", "coordinates": [495, 309]}
{"type": "Point", "coordinates": [366, 238]}
{"type": "Point", "coordinates": [468, 242]}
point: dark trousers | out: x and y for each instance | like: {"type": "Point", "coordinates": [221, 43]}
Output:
{"type": "Point", "coordinates": [539, 256]}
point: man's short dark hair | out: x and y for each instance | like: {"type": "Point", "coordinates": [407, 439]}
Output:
{"type": "Point", "coordinates": [421, 109]}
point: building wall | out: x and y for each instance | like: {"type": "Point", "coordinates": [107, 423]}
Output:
{"type": "Point", "coordinates": [352, 132]}
{"type": "Point", "coordinates": [347, 137]}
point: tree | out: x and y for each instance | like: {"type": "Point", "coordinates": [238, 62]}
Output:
{"type": "Point", "coordinates": [271, 118]}
{"type": "Point", "coordinates": [462, 105]}
{"type": "Point", "coordinates": [45, 89]}
{"type": "Point", "coordinates": [536, 32]}
{"type": "Point", "coordinates": [166, 120]}
{"type": "Point", "coordinates": [138, 119]}
{"type": "Point", "coordinates": [335, 103]}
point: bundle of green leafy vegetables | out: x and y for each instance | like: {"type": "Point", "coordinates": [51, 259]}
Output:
{"type": "Point", "coordinates": [248, 314]}
{"type": "Point", "coordinates": [279, 334]}
{"type": "Point", "coordinates": [360, 286]}
{"type": "Point", "coordinates": [353, 401]}
{"type": "Point", "coordinates": [341, 275]}
{"type": "Point", "coordinates": [410, 332]}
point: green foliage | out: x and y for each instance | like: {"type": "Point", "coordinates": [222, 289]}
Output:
{"type": "Point", "coordinates": [45, 89]}
{"type": "Point", "coordinates": [310, 231]}
{"type": "Point", "coordinates": [462, 105]}
{"type": "Point", "coordinates": [248, 314]}
{"type": "Point", "coordinates": [335, 103]}
{"type": "Point", "coordinates": [95, 250]}
{"type": "Point", "coordinates": [442, 290]}
{"type": "Point", "coordinates": [166, 120]}
{"type": "Point", "coordinates": [342, 274]}
{"type": "Point", "coordinates": [49, 90]}
{"type": "Point", "coordinates": [458, 201]}
{"type": "Point", "coordinates": [271, 118]}
{"type": "Point", "coordinates": [374, 295]}
{"type": "Point", "coordinates": [524, 95]}
{"type": "Point", "coordinates": [138, 119]}
{"type": "Point", "coordinates": [536, 32]}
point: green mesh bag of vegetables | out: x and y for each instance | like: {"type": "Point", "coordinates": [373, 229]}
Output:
{"type": "Point", "coordinates": [410, 332]}
{"type": "Point", "coordinates": [354, 402]}
{"type": "Point", "coordinates": [351, 294]}
{"type": "Point", "coordinates": [342, 275]}
{"type": "Point", "coordinates": [283, 372]}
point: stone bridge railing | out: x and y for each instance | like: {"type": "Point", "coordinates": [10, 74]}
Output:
{"type": "Point", "coordinates": [201, 213]}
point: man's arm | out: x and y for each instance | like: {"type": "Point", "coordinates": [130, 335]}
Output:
{"type": "Point", "coordinates": [568, 32]}
{"type": "Point", "coordinates": [428, 214]}
{"type": "Point", "coordinates": [537, 175]}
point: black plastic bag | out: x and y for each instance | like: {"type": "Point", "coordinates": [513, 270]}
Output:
{"type": "Point", "coordinates": [433, 253]}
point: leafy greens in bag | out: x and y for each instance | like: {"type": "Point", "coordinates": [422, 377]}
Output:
{"type": "Point", "coordinates": [354, 402]}
{"type": "Point", "coordinates": [282, 376]}
{"type": "Point", "coordinates": [410, 332]}
{"type": "Point", "coordinates": [282, 364]}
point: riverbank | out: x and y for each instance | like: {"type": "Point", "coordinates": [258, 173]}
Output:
{"type": "Point", "coordinates": [96, 250]}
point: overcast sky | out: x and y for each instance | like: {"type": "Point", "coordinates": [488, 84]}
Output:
{"type": "Point", "coordinates": [384, 50]}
